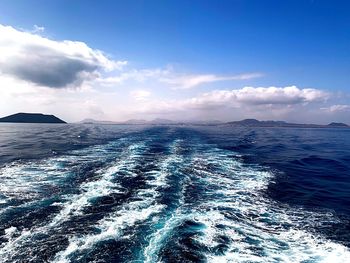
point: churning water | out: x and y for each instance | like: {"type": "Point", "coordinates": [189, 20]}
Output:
{"type": "Point", "coordinates": [75, 193]}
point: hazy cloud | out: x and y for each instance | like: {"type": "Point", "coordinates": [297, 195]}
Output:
{"type": "Point", "coordinates": [171, 78]}
{"type": "Point", "coordinates": [140, 95]}
{"type": "Point", "coordinates": [191, 81]}
{"type": "Point", "coordinates": [139, 75]}
{"type": "Point", "coordinates": [38, 29]}
{"type": "Point", "coordinates": [49, 63]}
{"type": "Point", "coordinates": [337, 108]}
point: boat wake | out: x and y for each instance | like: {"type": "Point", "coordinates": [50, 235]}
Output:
{"type": "Point", "coordinates": [161, 195]}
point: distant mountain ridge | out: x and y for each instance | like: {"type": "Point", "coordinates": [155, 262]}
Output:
{"type": "Point", "coordinates": [242, 123]}
{"type": "Point", "coordinates": [257, 123]}
{"type": "Point", "coordinates": [338, 124]}
{"type": "Point", "coordinates": [157, 121]}
{"type": "Point", "coordinates": [31, 118]}
{"type": "Point", "coordinates": [92, 121]}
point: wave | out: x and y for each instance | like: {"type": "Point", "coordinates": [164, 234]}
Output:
{"type": "Point", "coordinates": [232, 220]}
{"type": "Point", "coordinates": [112, 226]}
{"type": "Point", "coordinates": [163, 196]}
{"type": "Point", "coordinates": [101, 184]}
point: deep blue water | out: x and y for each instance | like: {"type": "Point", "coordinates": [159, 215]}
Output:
{"type": "Point", "coordinates": [109, 193]}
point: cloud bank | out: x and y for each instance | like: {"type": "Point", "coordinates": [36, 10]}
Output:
{"type": "Point", "coordinates": [258, 96]}
{"type": "Point", "coordinates": [75, 81]}
{"type": "Point", "coordinates": [289, 103]}
{"type": "Point", "coordinates": [54, 64]}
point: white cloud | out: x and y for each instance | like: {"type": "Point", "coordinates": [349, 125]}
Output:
{"type": "Point", "coordinates": [48, 63]}
{"type": "Point", "coordinates": [170, 77]}
{"type": "Point", "coordinates": [191, 81]}
{"type": "Point", "coordinates": [38, 29]}
{"type": "Point", "coordinates": [35, 71]}
{"type": "Point", "coordinates": [139, 75]}
{"type": "Point", "coordinates": [337, 108]}
{"type": "Point", "coordinates": [140, 95]}
{"type": "Point", "coordinates": [256, 96]}
{"type": "Point", "coordinates": [248, 98]}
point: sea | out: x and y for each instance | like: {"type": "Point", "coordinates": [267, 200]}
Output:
{"type": "Point", "coordinates": [136, 193]}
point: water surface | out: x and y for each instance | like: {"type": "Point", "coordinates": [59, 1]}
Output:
{"type": "Point", "coordinates": [109, 193]}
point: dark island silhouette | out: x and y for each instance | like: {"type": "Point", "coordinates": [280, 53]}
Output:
{"type": "Point", "coordinates": [337, 124]}
{"type": "Point", "coordinates": [31, 118]}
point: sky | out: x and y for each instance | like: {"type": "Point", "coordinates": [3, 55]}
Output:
{"type": "Point", "coordinates": [180, 60]}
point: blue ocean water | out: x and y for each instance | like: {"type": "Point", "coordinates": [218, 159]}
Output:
{"type": "Point", "coordinates": [119, 193]}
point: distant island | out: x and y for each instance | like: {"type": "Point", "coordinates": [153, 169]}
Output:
{"type": "Point", "coordinates": [242, 123]}
{"type": "Point", "coordinates": [31, 118]}
{"type": "Point", "coordinates": [157, 121]}
{"type": "Point", "coordinates": [257, 123]}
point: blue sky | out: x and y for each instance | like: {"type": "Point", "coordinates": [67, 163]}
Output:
{"type": "Point", "coordinates": [279, 44]}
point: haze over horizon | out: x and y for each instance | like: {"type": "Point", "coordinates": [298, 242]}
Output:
{"type": "Point", "coordinates": [178, 60]}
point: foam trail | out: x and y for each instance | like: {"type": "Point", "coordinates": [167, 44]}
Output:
{"type": "Point", "coordinates": [255, 228]}
{"type": "Point", "coordinates": [151, 251]}
{"type": "Point", "coordinates": [177, 201]}
{"type": "Point", "coordinates": [25, 182]}
{"type": "Point", "coordinates": [112, 226]}
{"type": "Point", "coordinates": [73, 206]}
{"type": "Point", "coordinates": [104, 186]}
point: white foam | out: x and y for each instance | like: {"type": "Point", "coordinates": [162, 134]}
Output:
{"type": "Point", "coordinates": [9, 232]}
{"type": "Point", "coordinates": [156, 240]}
{"type": "Point", "coordinates": [102, 186]}
{"type": "Point", "coordinates": [240, 187]}
{"type": "Point", "coordinates": [112, 226]}
{"type": "Point", "coordinates": [259, 230]}
{"type": "Point", "coordinates": [26, 180]}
